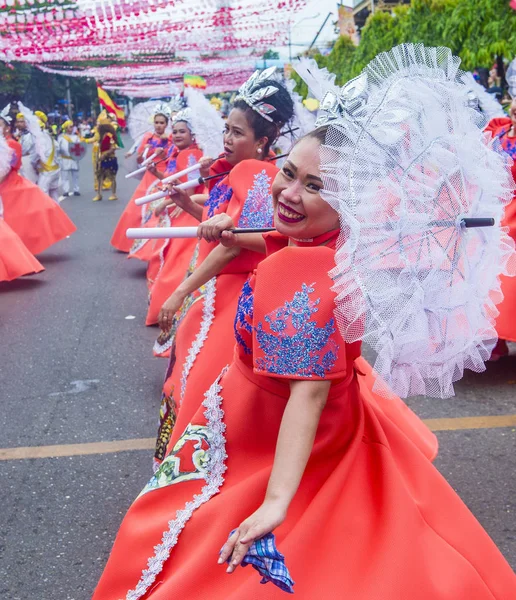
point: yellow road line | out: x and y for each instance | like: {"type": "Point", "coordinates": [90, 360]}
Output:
{"type": "Point", "coordinates": [23, 453]}
{"type": "Point", "coordinates": [485, 422]}
{"type": "Point", "coordinates": [76, 449]}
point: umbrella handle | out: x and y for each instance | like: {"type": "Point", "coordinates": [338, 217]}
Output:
{"type": "Point", "coordinates": [470, 222]}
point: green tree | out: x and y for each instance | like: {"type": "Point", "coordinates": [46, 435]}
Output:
{"type": "Point", "coordinates": [271, 55]}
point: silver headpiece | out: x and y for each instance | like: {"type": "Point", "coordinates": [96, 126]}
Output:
{"type": "Point", "coordinates": [183, 115]}
{"type": "Point", "coordinates": [253, 93]}
{"type": "Point", "coordinates": [5, 114]}
{"type": "Point", "coordinates": [162, 109]}
{"type": "Point", "coordinates": [177, 103]}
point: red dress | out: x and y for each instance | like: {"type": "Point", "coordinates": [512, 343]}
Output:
{"type": "Point", "coordinates": [15, 259]}
{"type": "Point", "coordinates": [150, 250]}
{"type": "Point", "coordinates": [173, 264]}
{"type": "Point", "coordinates": [372, 518]}
{"type": "Point", "coordinates": [202, 345]}
{"type": "Point", "coordinates": [506, 320]}
{"type": "Point", "coordinates": [131, 216]}
{"type": "Point", "coordinates": [37, 219]}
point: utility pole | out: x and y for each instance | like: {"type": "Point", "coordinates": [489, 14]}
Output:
{"type": "Point", "coordinates": [320, 29]}
{"type": "Point", "coordinates": [68, 97]}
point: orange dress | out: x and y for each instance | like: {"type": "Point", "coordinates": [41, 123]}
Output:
{"type": "Point", "coordinates": [37, 219]}
{"type": "Point", "coordinates": [506, 320]}
{"type": "Point", "coordinates": [201, 344]}
{"type": "Point", "coordinates": [372, 518]}
{"type": "Point", "coordinates": [15, 259]}
{"type": "Point", "coordinates": [167, 270]}
{"type": "Point", "coordinates": [132, 214]}
{"type": "Point", "coordinates": [147, 249]}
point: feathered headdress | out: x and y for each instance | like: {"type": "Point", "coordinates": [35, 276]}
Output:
{"type": "Point", "coordinates": [162, 109]}
{"type": "Point", "coordinates": [34, 128]}
{"type": "Point", "coordinates": [183, 115]}
{"type": "Point", "coordinates": [5, 114]}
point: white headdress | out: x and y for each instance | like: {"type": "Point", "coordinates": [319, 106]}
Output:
{"type": "Point", "coordinates": [176, 104]}
{"type": "Point", "coordinates": [6, 155]}
{"type": "Point", "coordinates": [254, 93]}
{"type": "Point", "coordinates": [183, 115]}
{"type": "Point", "coordinates": [206, 123]}
{"type": "Point", "coordinates": [5, 114]}
{"type": "Point", "coordinates": [407, 167]}
{"type": "Point", "coordinates": [34, 128]}
{"type": "Point", "coordinates": [162, 109]}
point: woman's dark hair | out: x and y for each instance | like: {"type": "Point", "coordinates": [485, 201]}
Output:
{"type": "Point", "coordinates": [284, 112]}
{"type": "Point", "coordinates": [318, 134]}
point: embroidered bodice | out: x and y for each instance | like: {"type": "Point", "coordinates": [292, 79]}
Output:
{"type": "Point", "coordinates": [284, 325]}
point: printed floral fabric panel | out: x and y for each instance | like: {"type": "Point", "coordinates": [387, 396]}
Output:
{"type": "Point", "coordinates": [258, 210]}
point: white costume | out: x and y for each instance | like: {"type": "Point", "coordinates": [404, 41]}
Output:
{"type": "Point", "coordinates": [29, 157]}
{"type": "Point", "coordinates": [69, 166]}
{"type": "Point", "coordinates": [48, 168]}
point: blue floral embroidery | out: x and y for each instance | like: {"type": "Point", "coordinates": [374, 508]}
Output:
{"type": "Point", "coordinates": [153, 143]}
{"type": "Point", "coordinates": [508, 143]}
{"type": "Point", "coordinates": [220, 194]}
{"type": "Point", "coordinates": [258, 210]}
{"type": "Point", "coordinates": [244, 316]}
{"type": "Point", "coordinates": [171, 167]}
{"type": "Point", "coordinates": [295, 345]}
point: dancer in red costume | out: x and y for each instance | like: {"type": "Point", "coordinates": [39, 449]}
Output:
{"type": "Point", "coordinates": [284, 442]}
{"type": "Point", "coordinates": [504, 129]}
{"type": "Point", "coordinates": [35, 217]}
{"type": "Point", "coordinates": [158, 143]}
{"type": "Point", "coordinates": [184, 153]}
{"type": "Point", "coordinates": [207, 308]}
{"type": "Point", "coordinates": [167, 269]}
{"type": "Point", "coordinates": [15, 259]}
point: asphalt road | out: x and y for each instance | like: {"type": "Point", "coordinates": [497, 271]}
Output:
{"type": "Point", "coordinates": [76, 368]}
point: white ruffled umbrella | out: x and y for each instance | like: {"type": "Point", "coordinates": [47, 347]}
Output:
{"type": "Point", "coordinates": [416, 184]}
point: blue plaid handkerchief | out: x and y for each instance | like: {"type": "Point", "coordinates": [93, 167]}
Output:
{"type": "Point", "coordinates": [269, 562]}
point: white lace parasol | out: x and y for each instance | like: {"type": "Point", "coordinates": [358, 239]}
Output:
{"type": "Point", "coordinates": [406, 166]}
{"type": "Point", "coordinates": [207, 123]}
{"type": "Point", "coordinates": [141, 119]}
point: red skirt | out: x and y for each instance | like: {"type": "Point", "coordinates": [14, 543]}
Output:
{"type": "Point", "coordinates": [15, 259]}
{"type": "Point", "coordinates": [34, 216]}
{"type": "Point", "coordinates": [131, 216]}
{"type": "Point", "coordinates": [372, 518]}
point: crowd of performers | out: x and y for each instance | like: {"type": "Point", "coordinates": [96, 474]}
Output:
{"type": "Point", "coordinates": [30, 218]}
{"type": "Point", "coordinates": [271, 436]}
{"type": "Point", "coordinates": [38, 171]}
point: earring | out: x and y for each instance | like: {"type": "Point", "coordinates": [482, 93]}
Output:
{"type": "Point", "coordinates": [259, 150]}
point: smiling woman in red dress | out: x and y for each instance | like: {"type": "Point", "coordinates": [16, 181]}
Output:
{"type": "Point", "coordinates": [283, 441]}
